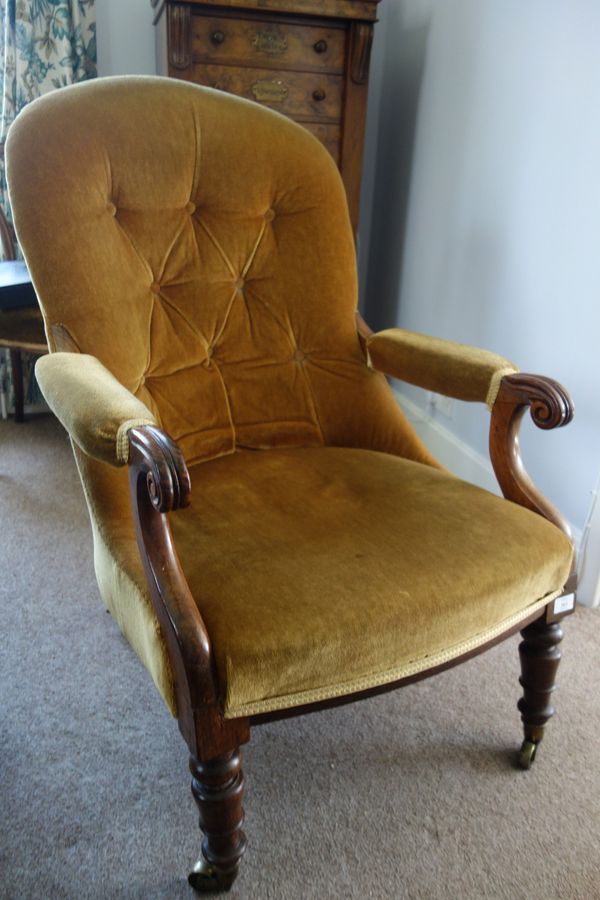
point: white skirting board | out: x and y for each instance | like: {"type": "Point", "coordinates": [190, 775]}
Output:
{"type": "Point", "coordinates": [588, 591]}
{"type": "Point", "coordinates": [471, 466]}
{"type": "Point", "coordinates": [454, 454]}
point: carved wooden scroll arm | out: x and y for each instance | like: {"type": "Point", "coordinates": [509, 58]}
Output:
{"type": "Point", "coordinates": [160, 482]}
{"type": "Point", "coordinates": [550, 407]}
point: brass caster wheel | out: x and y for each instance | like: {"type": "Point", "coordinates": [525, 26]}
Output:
{"type": "Point", "coordinates": [527, 754]}
{"type": "Point", "coordinates": [207, 879]}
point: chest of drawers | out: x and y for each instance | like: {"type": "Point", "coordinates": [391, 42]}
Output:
{"type": "Point", "coordinates": [308, 59]}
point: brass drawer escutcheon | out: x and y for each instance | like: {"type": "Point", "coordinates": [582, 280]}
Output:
{"type": "Point", "coordinates": [309, 96]}
{"type": "Point", "coordinates": [270, 42]}
{"type": "Point", "coordinates": [269, 91]}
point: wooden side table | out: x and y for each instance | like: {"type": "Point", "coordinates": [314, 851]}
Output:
{"type": "Point", "coordinates": [308, 59]}
{"type": "Point", "coordinates": [21, 326]}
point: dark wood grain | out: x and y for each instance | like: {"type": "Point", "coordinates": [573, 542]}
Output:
{"type": "Point", "coordinates": [355, 112]}
{"type": "Point", "coordinates": [179, 35]}
{"type": "Point", "coordinates": [160, 483]}
{"type": "Point", "coordinates": [218, 789]}
{"type": "Point", "coordinates": [540, 655]}
{"type": "Point", "coordinates": [351, 9]}
{"type": "Point", "coordinates": [308, 59]}
{"type": "Point", "coordinates": [550, 407]}
{"type": "Point", "coordinates": [293, 95]}
{"type": "Point", "coordinates": [268, 43]}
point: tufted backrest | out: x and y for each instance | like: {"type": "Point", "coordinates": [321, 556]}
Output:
{"type": "Point", "coordinates": [199, 245]}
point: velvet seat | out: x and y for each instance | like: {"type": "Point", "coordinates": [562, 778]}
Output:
{"type": "Point", "coordinates": [195, 266]}
{"type": "Point", "coordinates": [285, 578]}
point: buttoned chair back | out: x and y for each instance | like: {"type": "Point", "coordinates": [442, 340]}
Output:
{"type": "Point", "coordinates": [209, 266]}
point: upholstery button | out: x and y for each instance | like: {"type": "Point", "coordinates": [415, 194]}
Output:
{"type": "Point", "coordinates": [239, 285]}
{"type": "Point", "coordinates": [190, 208]}
{"type": "Point", "coordinates": [269, 215]}
{"type": "Point", "coordinates": [299, 356]}
{"type": "Point", "coordinates": [155, 287]}
{"type": "Point", "coordinates": [111, 209]}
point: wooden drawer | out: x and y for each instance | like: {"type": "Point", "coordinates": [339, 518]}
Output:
{"type": "Point", "coordinates": [267, 44]}
{"type": "Point", "coordinates": [301, 95]}
{"type": "Point", "coordinates": [308, 59]}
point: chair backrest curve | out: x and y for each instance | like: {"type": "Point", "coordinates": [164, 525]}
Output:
{"type": "Point", "coordinates": [200, 246]}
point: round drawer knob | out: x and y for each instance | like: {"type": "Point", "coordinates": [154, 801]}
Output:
{"type": "Point", "coordinates": [319, 95]}
{"type": "Point", "coordinates": [320, 46]}
{"type": "Point", "coordinates": [217, 37]}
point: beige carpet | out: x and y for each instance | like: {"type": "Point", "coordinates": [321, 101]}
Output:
{"type": "Point", "coordinates": [410, 795]}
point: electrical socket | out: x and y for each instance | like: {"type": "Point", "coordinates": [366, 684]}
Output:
{"type": "Point", "coordinates": [444, 405]}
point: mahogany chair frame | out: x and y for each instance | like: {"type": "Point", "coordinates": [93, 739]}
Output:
{"type": "Point", "coordinates": [160, 482]}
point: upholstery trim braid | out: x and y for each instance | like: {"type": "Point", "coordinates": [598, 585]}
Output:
{"type": "Point", "coordinates": [123, 436]}
{"type": "Point", "coordinates": [495, 383]}
{"type": "Point", "coordinates": [395, 674]}
{"type": "Point", "coordinates": [446, 367]}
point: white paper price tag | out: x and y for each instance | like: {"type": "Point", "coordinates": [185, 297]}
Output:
{"type": "Point", "coordinates": [564, 604]}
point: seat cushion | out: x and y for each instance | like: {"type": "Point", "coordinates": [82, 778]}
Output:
{"type": "Point", "coordinates": [324, 571]}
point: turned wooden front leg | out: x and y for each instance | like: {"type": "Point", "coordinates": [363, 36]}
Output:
{"type": "Point", "coordinates": [218, 787]}
{"type": "Point", "coordinates": [540, 657]}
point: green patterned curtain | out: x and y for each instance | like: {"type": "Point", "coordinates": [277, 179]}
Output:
{"type": "Point", "coordinates": [44, 44]}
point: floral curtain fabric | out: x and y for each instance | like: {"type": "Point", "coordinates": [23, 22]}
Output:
{"type": "Point", "coordinates": [44, 44]}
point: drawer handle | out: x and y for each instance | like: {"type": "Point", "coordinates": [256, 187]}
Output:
{"type": "Point", "coordinates": [270, 42]}
{"type": "Point", "coordinates": [319, 95]}
{"type": "Point", "coordinates": [217, 37]}
{"type": "Point", "coordinates": [320, 46]}
{"type": "Point", "coordinates": [269, 91]}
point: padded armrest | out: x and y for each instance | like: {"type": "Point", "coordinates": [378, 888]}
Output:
{"type": "Point", "coordinates": [448, 368]}
{"type": "Point", "coordinates": [93, 406]}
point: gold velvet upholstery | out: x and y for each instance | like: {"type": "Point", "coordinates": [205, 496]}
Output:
{"type": "Point", "coordinates": [455, 370]}
{"type": "Point", "coordinates": [196, 249]}
{"type": "Point", "coordinates": [286, 576]}
{"type": "Point", "coordinates": [95, 409]}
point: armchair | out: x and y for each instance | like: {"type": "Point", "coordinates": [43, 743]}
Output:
{"type": "Point", "coordinates": [194, 262]}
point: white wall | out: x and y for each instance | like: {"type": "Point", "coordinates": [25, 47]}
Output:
{"type": "Point", "coordinates": [486, 215]}
{"type": "Point", "coordinates": [125, 37]}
